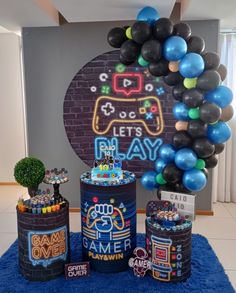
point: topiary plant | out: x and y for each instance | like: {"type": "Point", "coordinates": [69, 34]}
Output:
{"type": "Point", "coordinates": [29, 172]}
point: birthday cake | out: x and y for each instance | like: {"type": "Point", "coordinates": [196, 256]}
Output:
{"type": "Point", "coordinates": [108, 169]}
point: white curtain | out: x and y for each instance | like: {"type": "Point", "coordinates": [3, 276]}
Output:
{"type": "Point", "coordinates": [224, 175]}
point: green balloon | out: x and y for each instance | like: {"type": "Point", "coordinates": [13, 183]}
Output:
{"type": "Point", "coordinates": [142, 62]}
{"type": "Point", "coordinates": [190, 83]}
{"type": "Point", "coordinates": [160, 180]}
{"type": "Point", "coordinates": [193, 113]}
{"type": "Point", "coordinates": [200, 164]}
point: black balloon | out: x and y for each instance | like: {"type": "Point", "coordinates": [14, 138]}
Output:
{"type": "Point", "coordinates": [159, 68]}
{"type": "Point", "coordinates": [171, 173]}
{"type": "Point", "coordinates": [209, 80]}
{"type": "Point", "coordinates": [130, 50]}
{"type": "Point", "coordinates": [178, 91]}
{"type": "Point", "coordinates": [211, 162]}
{"type": "Point", "coordinates": [209, 112]}
{"type": "Point", "coordinates": [151, 51]}
{"type": "Point", "coordinates": [116, 37]}
{"type": "Point", "coordinates": [196, 44]}
{"type": "Point", "coordinates": [219, 147]}
{"type": "Point", "coordinates": [124, 61]}
{"type": "Point", "coordinates": [182, 30]}
{"type": "Point", "coordinates": [193, 98]}
{"type": "Point", "coordinates": [140, 32]}
{"type": "Point", "coordinates": [203, 148]}
{"type": "Point", "coordinates": [222, 70]}
{"type": "Point", "coordinates": [162, 28]}
{"type": "Point", "coordinates": [211, 60]}
{"type": "Point", "coordinates": [173, 78]}
{"type": "Point", "coordinates": [179, 187]}
{"type": "Point", "coordinates": [205, 171]}
{"type": "Point", "coordinates": [197, 128]}
{"type": "Point", "coordinates": [181, 139]}
{"type": "Point", "coordinates": [164, 187]}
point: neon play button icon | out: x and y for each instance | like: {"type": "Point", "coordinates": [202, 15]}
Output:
{"type": "Point", "coordinates": [127, 82]}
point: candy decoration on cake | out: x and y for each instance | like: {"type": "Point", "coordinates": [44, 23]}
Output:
{"type": "Point", "coordinates": [43, 223]}
{"type": "Point", "coordinates": [169, 51]}
{"type": "Point", "coordinates": [108, 215]}
{"type": "Point", "coordinates": [168, 242]}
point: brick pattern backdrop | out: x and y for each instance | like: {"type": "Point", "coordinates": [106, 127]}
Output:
{"type": "Point", "coordinates": [80, 101]}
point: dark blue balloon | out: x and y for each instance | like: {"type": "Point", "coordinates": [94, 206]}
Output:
{"type": "Point", "coordinates": [180, 111]}
{"type": "Point", "coordinates": [148, 14]}
{"type": "Point", "coordinates": [174, 48]}
{"type": "Point", "coordinates": [167, 153]}
{"type": "Point", "coordinates": [194, 180]}
{"type": "Point", "coordinates": [222, 96]}
{"type": "Point", "coordinates": [148, 180]}
{"type": "Point", "coordinates": [192, 65]}
{"type": "Point", "coordinates": [185, 159]}
{"type": "Point", "coordinates": [219, 132]}
{"type": "Point", "coordinates": [159, 165]}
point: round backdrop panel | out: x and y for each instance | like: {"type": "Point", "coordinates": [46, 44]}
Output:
{"type": "Point", "coordinates": [120, 109]}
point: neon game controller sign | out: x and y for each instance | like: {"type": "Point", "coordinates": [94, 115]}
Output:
{"type": "Point", "coordinates": [109, 104]}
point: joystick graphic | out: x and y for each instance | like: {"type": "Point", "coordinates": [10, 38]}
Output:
{"type": "Point", "coordinates": [146, 111]}
{"type": "Point", "coordinates": [100, 217]}
{"type": "Point", "coordinates": [161, 266]}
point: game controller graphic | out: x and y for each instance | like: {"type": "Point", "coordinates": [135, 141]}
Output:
{"type": "Point", "coordinates": [111, 110]}
{"type": "Point", "coordinates": [100, 216]}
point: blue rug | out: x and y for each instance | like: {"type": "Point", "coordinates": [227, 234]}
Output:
{"type": "Point", "coordinates": [207, 275]}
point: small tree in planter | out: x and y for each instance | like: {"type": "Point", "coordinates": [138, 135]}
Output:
{"type": "Point", "coordinates": [29, 172]}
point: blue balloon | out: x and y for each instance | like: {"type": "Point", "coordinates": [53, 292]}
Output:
{"type": "Point", "coordinates": [194, 180]}
{"type": "Point", "coordinates": [159, 165]}
{"type": "Point", "coordinates": [180, 111]}
{"type": "Point", "coordinates": [148, 180]}
{"type": "Point", "coordinates": [192, 65]}
{"type": "Point", "coordinates": [148, 14]}
{"type": "Point", "coordinates": [185, 159]}
{"type": "Point", "coordinates": [167, 153]}
{"type": "Point", "coordinates": [219, 132]}
{"type": "Point", "coordinates": [222, 96]}
{"type": "Point", "coordinates": [174, 48]}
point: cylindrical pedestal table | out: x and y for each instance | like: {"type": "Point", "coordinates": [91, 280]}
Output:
{"type": "Point", "coordinates": [108, 217]}
{"type": "Point", "coordinates": [43, 241]}
{"type": "Point", "coordinates": [169, 251]}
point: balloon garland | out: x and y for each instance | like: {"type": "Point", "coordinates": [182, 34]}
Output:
{"type": "Point", "coordinates": [203, 105]}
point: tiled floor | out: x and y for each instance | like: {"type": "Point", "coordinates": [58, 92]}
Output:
{"type": "Point", "coordinates": [219, 229]}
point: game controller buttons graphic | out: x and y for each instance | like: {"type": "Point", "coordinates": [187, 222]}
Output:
{"type": "Point", "coordinates": [142, 110]}
{"type": "Point", "coordinates": [107, 106]}
{"type": "Point", "coordinates": [108, 109]}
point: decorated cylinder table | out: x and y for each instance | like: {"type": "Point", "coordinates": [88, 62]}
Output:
{"type": "Point", "coordinates": [108, 217]}
{"type": "Point", "coordinates": [43, 241]}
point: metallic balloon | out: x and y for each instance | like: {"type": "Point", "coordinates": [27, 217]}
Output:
{"type": "Point", "coordinates": [194, 180]}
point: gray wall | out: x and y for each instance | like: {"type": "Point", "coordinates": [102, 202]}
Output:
{"type": "Point", "coordinates": [52, 56]}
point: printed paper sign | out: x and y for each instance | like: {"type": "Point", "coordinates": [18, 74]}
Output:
{"type": "Point", "coordinates": [77, 270]}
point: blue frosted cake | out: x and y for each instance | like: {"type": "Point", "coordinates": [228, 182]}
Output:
{"type": "Point", "coordinates": [108, 169]}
